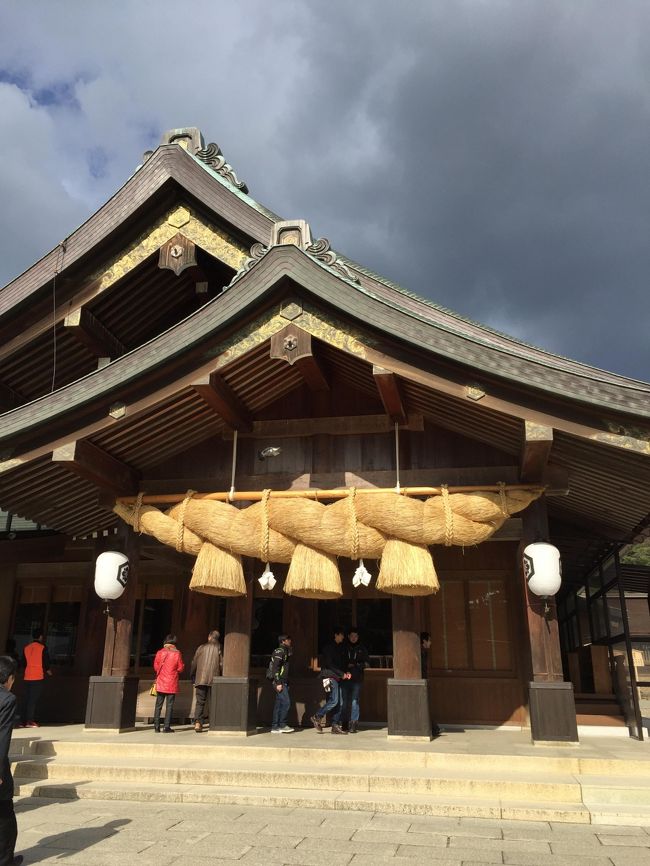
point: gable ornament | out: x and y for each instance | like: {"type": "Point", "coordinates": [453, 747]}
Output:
{"type": "Point", "coordinates": [297, 233]}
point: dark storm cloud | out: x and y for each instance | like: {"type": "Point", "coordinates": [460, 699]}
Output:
{"type": "Point", "coordinates": [491, 156]}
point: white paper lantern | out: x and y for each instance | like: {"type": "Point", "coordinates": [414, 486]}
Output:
{"type": "Point", "coordinates": [111, 574]}
{"type": "Point", "coordinates": [542, 568]}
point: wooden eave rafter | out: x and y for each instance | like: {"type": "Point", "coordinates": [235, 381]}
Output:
{"type": "Point", "coordinates": [91, 463]}
{"type": "Point", "coordinates": [391, 396]}
{"type": "Point", "coordinates": [216, 392]}
{"type": "Point", "coordinates": [191, 336]}
{"type": "Point", "coordinates": [92, 334]}
{"type": "Point", "coordinates": [536, 451]}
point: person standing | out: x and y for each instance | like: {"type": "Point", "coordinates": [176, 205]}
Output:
{"type": "Point", "coordinates": [425, 646]}
{"type": "Point", "coordinates": [333, 671]}
{"type": "Point", "coordinates": [167, 664]}
{"type": "Point", "coordinates": [279, 676]}
{"type": "Point", "coordinates": [358, 661]}
{"type": "Point", "coordinates": [8, 826]}
{"type": "Point", "coordinates": [36, 664]}
{"type": "Point", "coordinates": [206, 665]}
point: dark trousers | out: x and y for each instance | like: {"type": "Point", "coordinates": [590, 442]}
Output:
{"type": "Point", "coordinates": [31, 695]}
{"type": "Point", "coordinates": [8, 832]}
{"type": "Point", "coordinates": [202, 708]}
{"type": "Point", "coordinates": [160, 697]}
{"type": "Point", "coordinates": [281, 708]}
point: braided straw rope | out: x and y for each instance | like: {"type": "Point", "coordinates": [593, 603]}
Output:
{"type": "Point", "coordinates": [181, 520]}
{"type": "Point", "coordinates": [357, 526]}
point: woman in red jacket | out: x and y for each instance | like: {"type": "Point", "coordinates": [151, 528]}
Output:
{"type": "Point", "coordinates": [168, 664]}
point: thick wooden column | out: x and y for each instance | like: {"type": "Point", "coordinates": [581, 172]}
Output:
{"type": "Point", "coordinates": [551, 701]}
{"type": "Point", "coordinates": [233, 704]}
{"type": "Point", "coordinates": [119, 622]}
{"type": "Point", "coordinates": [112, 697]}
{"type": "Point", "coordinates": [408, 701]}
{"type": "Point", "coordinates": [299, 619]}
{"type": "Point", "coordinates": [406, 638]}
{"type": "Point", "coordinates": [237, 640]}
{"type": "Point", "coordinates": [7, 590]}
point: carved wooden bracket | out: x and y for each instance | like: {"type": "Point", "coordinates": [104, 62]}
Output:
{"type": "Point", "coordinates": [391, 396]}
{"type": "Point", "coordinates": [535, 452]}
{"type": "Point", "coordinates": [92, 334]}
{"type": "Point", "coordinates": [294, 346]}
{"type": "Point", "coordinates": [102, 469]}
{"type": "Point", "coordinates": [177, 254]}
{"type": "Point", "coordinates": [218, 394]}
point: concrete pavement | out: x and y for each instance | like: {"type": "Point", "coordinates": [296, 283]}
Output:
{"type": "Point", "coordinates": [108, 833]}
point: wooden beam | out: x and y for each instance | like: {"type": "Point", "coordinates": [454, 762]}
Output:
{"type": "Point", "coordinates": [323, 480]}
{"type": "Point", "coordinates": [313, 374]}
{"type": "Point", "coordinates": [90, 462]}
{"type": "Point", "coordinates": [389, 391]}
{"type": "Point", "coordinates": [294, 346]}
{"type": "Point", "coordinates": [536, 450]}
{"type": "Point", "coordinates": [218, 394]}
{"type": "Point", "coordinates": [333, 426]}
{"type": "Point", "coordinates": [90, 332]}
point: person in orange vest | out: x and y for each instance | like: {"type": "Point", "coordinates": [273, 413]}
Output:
{"type": "Point", "coordinates": [36, 662]}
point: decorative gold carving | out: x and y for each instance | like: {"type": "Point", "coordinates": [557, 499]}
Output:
{"type": "Point", "coordinates": [208, 237]}
{"type": "Point", "coordinates": [291, 311]}
{"type": "Point", "coordinates": [179, 217]}
{"type": "Point", "coordinates": [473, 392]}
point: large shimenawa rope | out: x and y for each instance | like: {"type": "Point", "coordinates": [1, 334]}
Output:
{"type": "Point", "coordinates": [449, 519]}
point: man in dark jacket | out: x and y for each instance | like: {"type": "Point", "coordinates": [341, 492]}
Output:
{"type": "Point", "coordinates": [358, 661]}
{"type": "Point", "coordinates": [279, 673]}
{"type": "Point", "coordinates": [334, 663]}
{"type": "Point", "coordinates": [8, 827]}
{"type": "Point", "coordinates": [206, 665]}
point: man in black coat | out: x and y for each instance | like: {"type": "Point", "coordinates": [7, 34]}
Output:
{"type": "Point", "coordinates": [334, 664]}
{"type": "Point", "coordinates": [278, 673]}
{"type": "Point", "coordinates": [358, 661]}
{"type": "Point", "coordinates": [8, 827]}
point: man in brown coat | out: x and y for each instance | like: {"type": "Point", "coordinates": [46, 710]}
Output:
{"type": "Point", "coordinates": [206, 665]}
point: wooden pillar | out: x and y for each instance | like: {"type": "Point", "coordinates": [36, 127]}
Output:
{"type": "Point", "coordinates": [233, 703]}
{"type": "Point", "coordinates": [551, 700]}
{"type": "Point", "coordinates": [119, 622]}
{"type": "Point", "coordinates": [299, 620]}
{"type": "Point", "coordinates": [237, 640]}
{"type": "Point", "coordinates": [112, 697]}
{"type": "Point", "coordinates": [408, 700]}
{"type": "Point", "coordinates": [7, 589]}
{"type": "Point", "coordinates": [406, 638]}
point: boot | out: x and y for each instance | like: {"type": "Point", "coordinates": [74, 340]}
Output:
{"type": "Point", "coordinates": [317, 722]}
{"type": "Point", "coordinates": [198, 727]}
{"type": "Point", "coordinates": [353, 727]}
{"type": "Point", "coordinates": [156, 727]}
{"type": "Point", "coordinates": [337, 729]}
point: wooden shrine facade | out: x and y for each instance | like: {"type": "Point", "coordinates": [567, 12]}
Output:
{"type": "Point", "coordinates": [190, 317]}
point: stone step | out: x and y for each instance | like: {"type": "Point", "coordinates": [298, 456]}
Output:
{"type": "Point", "coordinates": [503, 784]}
{"type": "Point", "coordinates": [206, 750]}
{"type": "Point", "coordinates": [406, 804]}
{"type": "Point", "coordinates": [615, 790]}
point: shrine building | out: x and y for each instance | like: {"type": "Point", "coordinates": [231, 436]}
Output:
{"type": "Point", "coordinates": [281, 440]}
